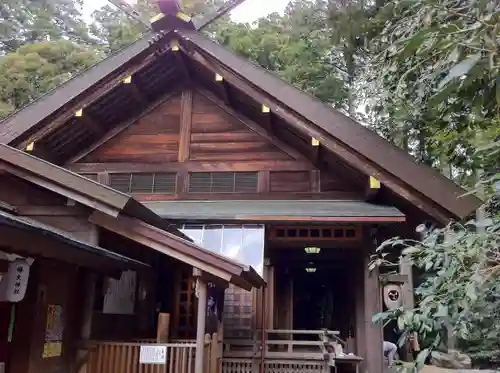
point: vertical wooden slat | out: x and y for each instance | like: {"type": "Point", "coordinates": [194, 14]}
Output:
{"type": "Point", "coordinates": [263, 182]}
{"type": "Point", "coordinates": [315, 181]}
{"type": "Point", "coordinates": [186, 119]}
{"type": "Point", "coordinates": [103, 178]}
{"type": "Point", "coordinates": [116, 357]}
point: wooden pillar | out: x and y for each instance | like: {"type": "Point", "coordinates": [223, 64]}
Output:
{"type": "Point", "coordinates": [359, 289]}
{"type": "Point", "coordinates": [163, 328]}
{"type": "Point", "coordinates": [270, 297]}
{"type": "Point", "coordinates": [408, 301]}
{"type": "Point", "coordinates": [85, 332]}
{"type": "Point", "coordinates": [290, 307]}
{"type": "Point", "coordinates": [373, 333]}
{"type": "Point", "coordinates": [201, 287]}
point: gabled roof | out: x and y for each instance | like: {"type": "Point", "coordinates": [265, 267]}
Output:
{"type": "Point", "coordinates": [76, 187]}
{"type": "Point", "coordinates": [334, 129]}
{"type": "Point", "coordinates": [166, 243]}
{"type": "Point", "coordinates": [341, 138]}
{"type": "Point", "coordinates": [75, 250]}
{"type": "Point", "coordinates": [25, 119]}
{"type": "Point", "coordinates": [124, 215]}
{"type": "Point", "coordinates": [318, 211]}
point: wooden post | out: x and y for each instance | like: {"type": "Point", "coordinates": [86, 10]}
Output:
{"type": "Point", "coordinates": [270, 294]}
{"type": "Point", "coordinates": [89, 280]}
{"type": "Point", "coordinates": [359, 289]}
{"type": "Point", "coordinates": [163, 328]}
{"type": "Point", "coordinates": [214, 353]}
{"type": "Point", "coordinates": [290, 307]}
{"type": "Point", "coordinates": [408, 301]}
{"type": "Point", "coordinates": [82, 354]}
{"type": "Point", "coordinates": [201, 287]}
{"type": "Point", "coordinates": [373, 333]}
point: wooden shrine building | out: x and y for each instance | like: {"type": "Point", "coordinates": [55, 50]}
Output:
{"type": "Point", "coordinates": [246, 166]}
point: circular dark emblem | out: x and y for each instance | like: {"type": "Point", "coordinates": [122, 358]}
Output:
{"type": "Point", "coordinates": [393, 295]}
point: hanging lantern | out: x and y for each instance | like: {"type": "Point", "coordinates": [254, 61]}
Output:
{"type": "Point", "coordinates": [312, 250]}
{"type": "Point", "coordinates": [392, 296]}
{"type": "Point", "coordinates": [310, 268]}
{"type": "Point", "coordinates": [14, 284]}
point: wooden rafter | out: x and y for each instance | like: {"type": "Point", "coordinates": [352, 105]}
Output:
{"type": "Point", "coordinates": [137, 94]}
{"type": "Point", "coordinates": [180, 61]}
{"type": "Point", "coordinates": [86, 101]}
{"type": "Point", "coordinates": [90, 123]}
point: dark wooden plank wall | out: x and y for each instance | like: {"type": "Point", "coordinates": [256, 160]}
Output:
{"type": "Point", "coordinates": [218, 136]}
{"type": "Point", "coordinates": [152, 138]}
{"type": "Point", "coordinates": [193, 133]}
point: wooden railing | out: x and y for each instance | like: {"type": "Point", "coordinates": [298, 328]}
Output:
{"type": "Point", "coordinates": [123, 357]}
{"type": "Point", "coordinates": [281, 352]}
{"type": "Point", "coordinates": [279, 344]}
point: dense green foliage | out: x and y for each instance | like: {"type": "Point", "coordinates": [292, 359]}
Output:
{"type": "Point", "coordinates": [438, 63]}
{"type": "Point", "coordinates": [422, 73]}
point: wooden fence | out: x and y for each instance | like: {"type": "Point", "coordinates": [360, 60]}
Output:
{"type": "Point", "coordinates": [282, 353]}
{"type": "Point", "coordinates": [123, 357]}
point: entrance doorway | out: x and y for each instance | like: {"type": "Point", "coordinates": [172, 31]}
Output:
{"type": "Point", "coordinates": [316, 291]}
{"type": "Point", "coordinates": [323, 298]}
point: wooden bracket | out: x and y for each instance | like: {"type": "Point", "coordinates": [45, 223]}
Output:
{"type": "Point", "coordinates": [393, 278]}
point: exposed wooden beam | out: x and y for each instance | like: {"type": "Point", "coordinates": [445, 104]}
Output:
{"type": "Point", "coordinates": [180, 61]}
{"type": "Point", "coordinates": [137, 94]}
{"type": "Point", "coordinates": [40, 150]}
{"type": "Point", "coordinates": [90, 123]}
{"type": "Point", "coordinates": [121, 127]}
{"type": "Point", "coordinates": [224, 94]}
{"type": "Point", "coordinates": [194, 166]}
{"type": "Point", "coordinates": [348, 155]}
{"type": "Point", "coordinates": [186, 121]}
{"type": "Point", "coordinates": [254, 126]}
{"type": "Point", "coordinates": [267, 118]}
{"type": "Point", "coordinates": [8, 207]}
{"type": "Point", "coordinates": [83, 102]}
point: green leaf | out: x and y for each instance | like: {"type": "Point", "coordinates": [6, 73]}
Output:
{"type": "Point", "coordinates": [411, 250]}
{"type": "Point", "coordinates": [497, 85]}
{"type": "Point", "coordinates": [470, 292]}
{"type": "Point", "coordinates": [414, 43]}
{"type": "Point", "coordinates": [421, 357]}
{"type": "Point", "coordinates": [461, 69]}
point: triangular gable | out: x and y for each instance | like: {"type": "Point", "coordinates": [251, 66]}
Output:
{"type": "Point", "coordinates": [354, 144]}
{"type": "Point", "coordinates": [217, 133]}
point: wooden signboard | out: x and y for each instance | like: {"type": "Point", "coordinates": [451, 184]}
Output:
{"type": "Point", "coordinates": [53, 331]}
